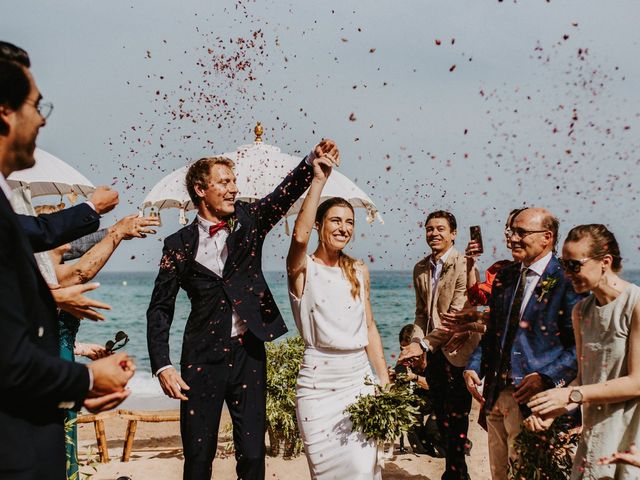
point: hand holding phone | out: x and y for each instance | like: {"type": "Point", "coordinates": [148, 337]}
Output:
{"type": "Point", "coordinates": [476, 238]}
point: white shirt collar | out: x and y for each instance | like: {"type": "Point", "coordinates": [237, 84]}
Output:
{"type": "Point", "coordinates": [442, 259]}
{"type": "Point", "coordinates": [203, 223]}
{"type": "Point", "coordinates": [539, 266]}
{"type": "Point", "coordinates": [5, 187]}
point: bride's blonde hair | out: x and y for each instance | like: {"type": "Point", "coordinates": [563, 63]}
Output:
{"type": "Point", "coordinates": [346, 263]}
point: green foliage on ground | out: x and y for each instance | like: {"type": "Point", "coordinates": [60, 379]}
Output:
{"type": "Point", "coordinates": [283, 365]}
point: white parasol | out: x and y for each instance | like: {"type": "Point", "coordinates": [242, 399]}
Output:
{"type": "Point", "coordinates": [259, 169]}
{"type": "Point", "coordinates": [50, 176]}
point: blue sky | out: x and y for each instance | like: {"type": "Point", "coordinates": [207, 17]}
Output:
{"type": "Point", "coordinates": [472, 106]}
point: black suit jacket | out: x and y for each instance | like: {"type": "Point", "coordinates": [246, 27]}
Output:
{"type": "Point", "coordinates": [242, 283]}
{"type": "Point", "coordinates": [51, 230]}
{"type": "Point", "coordinates": [33, 379]}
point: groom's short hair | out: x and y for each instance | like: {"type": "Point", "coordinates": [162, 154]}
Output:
{"type": "Point", "coordinates": [198, 174]}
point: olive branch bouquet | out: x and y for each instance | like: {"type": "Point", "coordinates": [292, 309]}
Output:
{"type": "Point", "coordinates": [388, 412]}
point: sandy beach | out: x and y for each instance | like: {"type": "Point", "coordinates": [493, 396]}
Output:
{"type": "Point", "coordinates": [157, 454]}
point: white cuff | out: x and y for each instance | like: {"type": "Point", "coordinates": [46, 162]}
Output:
{"type": "Point", "coordinates": [90, 379]}
{"type": "Point", "coordinates": [163, 368]}
{"type": "Point", "coordinates": [424, 344]}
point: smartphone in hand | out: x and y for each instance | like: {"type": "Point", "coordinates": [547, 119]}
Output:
{"type": "Point", "coordinates": [476, 235]}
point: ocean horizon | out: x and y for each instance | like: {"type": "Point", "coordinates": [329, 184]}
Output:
{"type": "Point", "coordinates": [128, 293]}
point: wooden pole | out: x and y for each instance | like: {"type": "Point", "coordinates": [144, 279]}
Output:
{"type": "Point", "coordinates": [102, 441]}
{"type": "Point", "coordinates": [128, 441]}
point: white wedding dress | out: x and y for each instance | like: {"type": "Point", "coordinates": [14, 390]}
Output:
{"type": "Point", "coordinates": [334, 328]}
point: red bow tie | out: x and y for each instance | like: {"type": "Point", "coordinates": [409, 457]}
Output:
{"type": "Point", "coordinates": [213, 229]}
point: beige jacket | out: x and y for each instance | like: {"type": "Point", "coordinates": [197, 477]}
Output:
{"type": "Point", "coordinates": [450, 295]}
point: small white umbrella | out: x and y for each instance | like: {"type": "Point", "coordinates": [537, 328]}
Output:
{"type": "Point", "coordinates": [259, 168]}
{"type": "Point", "coordinates": [50, 176]}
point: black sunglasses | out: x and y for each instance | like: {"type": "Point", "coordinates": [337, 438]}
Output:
{"type": "Point", "coordinates": [520, 232]}
{"type": "Point", "coordinates": [574, 266]}
{"type": "Point", "coordinates": [119, 341]}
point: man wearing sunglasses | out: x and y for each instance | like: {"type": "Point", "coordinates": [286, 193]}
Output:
{"type": "Point", "coordinates": [529, 345]}
{"type": "Point", "coordinates": [35, 384]}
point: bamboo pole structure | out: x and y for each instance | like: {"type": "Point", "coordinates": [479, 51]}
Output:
{"type": "Point", "coordinates": [133, 417]}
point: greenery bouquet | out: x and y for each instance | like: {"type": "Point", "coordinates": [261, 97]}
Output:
{"type": "Point", "coordinates": [545, 455]}
{"type": "Point", "coordinates": [387, 413]}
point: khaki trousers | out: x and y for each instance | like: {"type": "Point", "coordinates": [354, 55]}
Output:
{"type": "Point", "coordinates": [504, 423]}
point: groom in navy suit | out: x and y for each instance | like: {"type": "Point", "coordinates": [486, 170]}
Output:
{"type": "Point", "coordinates": [529, 345]}
{"type": "Point", "coordinates": [217, 260]}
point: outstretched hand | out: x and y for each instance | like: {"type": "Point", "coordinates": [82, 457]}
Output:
{"type": "Point", "coordinates": [530, 385]}
{"type": "Point", "coordinates": [554, 401]}
{"type": "Point", "coordinates": [106, 402]}
{"type": "Point", "coordinates": [630, 457]}
{"type": "Point", "coordinates": [71, 300]}
{"type": "Point", "coordinates": [472, 381]}
{"type": "Point", "coordinates": [172, 384]}
{"type": "Point", "coordinates": [135, 226]}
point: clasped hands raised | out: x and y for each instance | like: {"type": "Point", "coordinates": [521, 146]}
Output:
{"type": "Point", "coordinates": [324, 156]}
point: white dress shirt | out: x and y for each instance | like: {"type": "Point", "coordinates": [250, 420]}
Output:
{"type": "Point", "coordinates": [436, 269]}
{"type": "Point", "coordinates": [212, 253]}
{"type": "Point", "coordinates": [534, 273]}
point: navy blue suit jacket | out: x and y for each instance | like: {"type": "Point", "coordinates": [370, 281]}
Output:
{"type": "Point", "coordinates": [242, 283]}
{"type": "Point", "coordinates": [33, 378]}
{"type": "Point", "coordinates": [51, 230]}
{"type": "Point", "coordinates": [544, 342]}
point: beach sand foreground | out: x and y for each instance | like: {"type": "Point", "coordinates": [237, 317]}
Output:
{"type": "Point", "coordinates": [157, 454]}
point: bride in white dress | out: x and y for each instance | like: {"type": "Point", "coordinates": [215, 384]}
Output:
{"type": "Point", "coordinates": [329, 293]}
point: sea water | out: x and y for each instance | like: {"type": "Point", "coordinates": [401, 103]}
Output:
{"type": "Point", "coordinates": [392, 302]}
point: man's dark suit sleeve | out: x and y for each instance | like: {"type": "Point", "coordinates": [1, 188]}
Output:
{"type": "Point", "coordinates": [49, 231]}
{"type": "Point", "coordinates": [274, 206]}
{"type": "Point", "coordinates": [27, 371]}
{"type": "Point", "coordinates": [161, 308]}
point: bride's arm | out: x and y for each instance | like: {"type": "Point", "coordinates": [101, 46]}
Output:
{"type": "Point", "coordinates": [303, 226]}
{"type": "Point", "coordinates": [374, 349]}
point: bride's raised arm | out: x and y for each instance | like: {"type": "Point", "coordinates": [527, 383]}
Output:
{"type": "Point", "coordinates": [305, 220]}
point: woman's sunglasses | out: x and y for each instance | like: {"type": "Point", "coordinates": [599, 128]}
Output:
{"type": "Point", "coordinates": [574, 266]}
{"type": "Point", "coordinates": [119, 341]}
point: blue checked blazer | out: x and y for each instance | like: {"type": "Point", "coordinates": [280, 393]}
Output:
{"type": "Point", "coordinates": [544, 342]}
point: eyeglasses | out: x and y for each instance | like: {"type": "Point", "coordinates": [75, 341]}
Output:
{"type": "Point", "coordinates": [119, 341]}
{"type": "Point", "coordinates": [43, 108]}
{"type": "Point", "coordinates": [520, 232]}
{"type": "Point", "coordinates": [574, 266]}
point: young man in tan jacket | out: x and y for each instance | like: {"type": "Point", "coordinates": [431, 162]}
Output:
{"type": "Point", "coordinates": [440, 284]}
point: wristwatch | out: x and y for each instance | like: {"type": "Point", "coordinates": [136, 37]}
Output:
{"type": "Point", "coordinates": [575, 396]}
